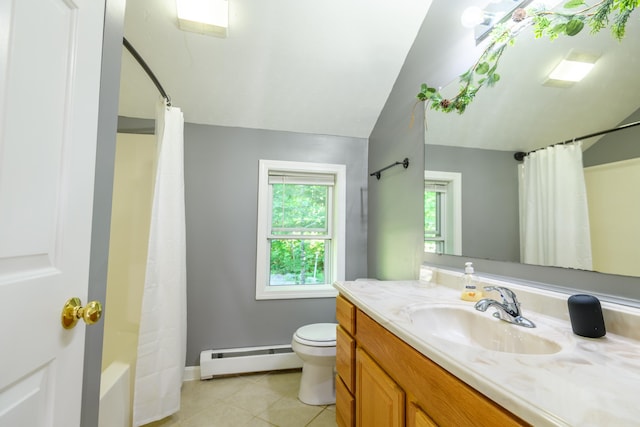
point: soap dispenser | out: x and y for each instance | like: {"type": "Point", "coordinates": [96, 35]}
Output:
{"type": "Point", "coordinates": [470, 284]}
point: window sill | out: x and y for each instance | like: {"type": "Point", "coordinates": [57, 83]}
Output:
{"type": "Point", "coordinates": [296, 292]}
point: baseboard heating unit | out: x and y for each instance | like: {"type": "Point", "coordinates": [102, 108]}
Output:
{"type": "Point", "coordinates": [249, 359]}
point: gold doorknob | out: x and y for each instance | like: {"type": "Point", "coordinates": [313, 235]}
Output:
{"type": "Point", "coordinates": [73, 311]}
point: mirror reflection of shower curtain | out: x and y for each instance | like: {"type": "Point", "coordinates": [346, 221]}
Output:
{"type": "Point", "coordinates": [554, 215]}
{"type": "Point", "coordinates": [162, 337]}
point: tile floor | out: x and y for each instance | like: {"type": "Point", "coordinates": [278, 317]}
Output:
{"type": "Point", "coordinates": [260, 400]}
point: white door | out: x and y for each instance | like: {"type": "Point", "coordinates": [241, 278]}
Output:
{"type": "Point", "coordinates": [50, 53]}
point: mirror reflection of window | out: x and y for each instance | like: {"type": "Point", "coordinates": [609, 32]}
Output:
{"type": "Point", "coordinates": [435, 214]}
{"type": "Point", "coordinates": [443, 212]}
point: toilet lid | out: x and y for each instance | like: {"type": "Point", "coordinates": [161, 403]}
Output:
{"type": "Point", "coordinates": [317, 334]}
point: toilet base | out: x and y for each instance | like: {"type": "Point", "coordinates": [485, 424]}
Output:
{"type": "Point", "coordinates": [317, 385]}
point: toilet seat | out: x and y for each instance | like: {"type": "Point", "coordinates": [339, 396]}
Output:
{"type": "Point", "coordinates": [317, 335]}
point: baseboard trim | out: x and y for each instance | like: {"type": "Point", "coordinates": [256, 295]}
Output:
{"type": "Point", "coordinates": [191, 373]}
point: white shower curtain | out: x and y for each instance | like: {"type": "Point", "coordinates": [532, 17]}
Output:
{"type": "Point", "coordinates": [162, 337]}
{"type": "Point", "coordinates": [554, 216]}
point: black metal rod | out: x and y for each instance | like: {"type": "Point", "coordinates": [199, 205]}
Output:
{"type": "Point", "coordinates": [146, 68]}
{"type": "Point", "coordinates": [520, 155]}
{"type": "Point", "coordinates": [404, 163]}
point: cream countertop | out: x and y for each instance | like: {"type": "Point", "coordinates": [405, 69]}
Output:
{"type": "Point", "coordinates": [589, 382]}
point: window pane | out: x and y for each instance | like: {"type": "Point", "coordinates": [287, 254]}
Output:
{"type": "Point", "coordinates": [299, 209]}
{"type": "Point", "coordinates": [433, 246]}
{"type": "Point", "coordinates": [297, 261]}
{"type": "Point", "coordinates": [432, 214]}
{"type": "Point", "coordinates": [433, 218]}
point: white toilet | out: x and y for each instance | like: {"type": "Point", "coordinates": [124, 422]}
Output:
{"type": "Point", "coordinates": [315, 344]}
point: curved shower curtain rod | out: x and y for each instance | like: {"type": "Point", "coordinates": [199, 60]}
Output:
{"type": "Point", "coordinates": [146, 68]}
{"type": "Point", "coordinates": [520, 155]}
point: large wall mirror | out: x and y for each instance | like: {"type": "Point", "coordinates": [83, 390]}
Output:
{"type": "Point", "coordinates": [522, 113]}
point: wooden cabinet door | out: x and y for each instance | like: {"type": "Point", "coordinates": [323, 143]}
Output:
{"type": "Point", "coordinates": [345, 357]}
{"type": "Point", "coordinates": [345, 405]}
{"type": "Point", "coordinates": [379, 400]}
{"type": "Point", "coordinates": [416, 417]}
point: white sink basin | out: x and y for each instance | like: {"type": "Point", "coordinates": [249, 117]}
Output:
{"type": "Point", "coordinates": [476, 329]}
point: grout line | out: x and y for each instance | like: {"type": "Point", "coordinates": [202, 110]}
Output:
{"type": "Point", "coordinates": [317, 415]}
{"type": "Point", "coordinates": [250, 381]}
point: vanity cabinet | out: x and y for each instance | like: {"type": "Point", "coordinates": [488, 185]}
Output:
{"type": "Point", "coordinates": [382, 381]}
{"type": "Point", "coordinates": [345, 363]}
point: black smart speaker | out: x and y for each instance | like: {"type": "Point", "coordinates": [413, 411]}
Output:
{"type": "Point", "coordinates": [585, 313]}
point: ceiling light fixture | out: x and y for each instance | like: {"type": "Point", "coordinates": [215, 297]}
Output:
{"type": "Point", "coordinates": [571, 69]}
{"type": "Point", "coordinates": [204, 16]}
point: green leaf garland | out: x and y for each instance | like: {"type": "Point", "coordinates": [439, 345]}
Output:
{"type": "Point", "coordinates": [547, 23]}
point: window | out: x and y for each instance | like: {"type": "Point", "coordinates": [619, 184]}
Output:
{"type": "Point", "coordinates": [442, 212]}
{"type": "Point", "coordinates": [301, 229]}
{"type": "Point", "coordinates": [435, 216]}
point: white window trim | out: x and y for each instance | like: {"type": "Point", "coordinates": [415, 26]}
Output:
{"type": "Point", "coordinates": [454, 195]}
{"type": "Point", "coordinates": [263, 290]}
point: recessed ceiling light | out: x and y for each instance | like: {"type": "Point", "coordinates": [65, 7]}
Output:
{"type": "Point", "coordinates": [204, 16]}
{"type": "Point", "coordinates": [573, 68]}
{"type": "Point", "coordinates": [571, 71]}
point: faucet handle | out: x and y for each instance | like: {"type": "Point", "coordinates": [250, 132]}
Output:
{"type": "Point", "coordinates": [508, 297]}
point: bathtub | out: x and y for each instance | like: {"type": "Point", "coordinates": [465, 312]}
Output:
{"type": "Point", "coordinates": [115, 410]}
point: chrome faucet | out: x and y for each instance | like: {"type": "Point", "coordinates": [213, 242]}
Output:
{"type": "Point", "coordinates": [507, 310]}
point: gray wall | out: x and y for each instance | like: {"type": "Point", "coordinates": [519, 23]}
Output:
{"type": "Point", "coordinates": [616, 146]}
{"type": "Point", "coordinates": [135, 125]}
{"type": "Point", "coordinates": [396, 212]}
{"type": "Point", "coordinates": [489, 195]}
{"type": "Point", "coordinates": [221, 182]}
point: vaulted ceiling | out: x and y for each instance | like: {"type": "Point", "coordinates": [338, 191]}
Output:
{"type": "Point", "coordinates": [323, 67]}
{"type": "Point", "coordinates": [328, 67]}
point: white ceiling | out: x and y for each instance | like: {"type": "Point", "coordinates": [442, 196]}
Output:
{"type": "Point", "coordinates": [521, 114]}
{"type": "Point", "coordinates": [322, 67]}
{"type": "Point", "coordinates": [328, 67]}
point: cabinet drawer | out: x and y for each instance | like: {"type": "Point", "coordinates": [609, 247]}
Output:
{"type": "Point", "coordinates": [346, 314]}
{"type": "Point", "coordinates": [345, 405]}
{"type": "Point", "coordinates": [345, 357]}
